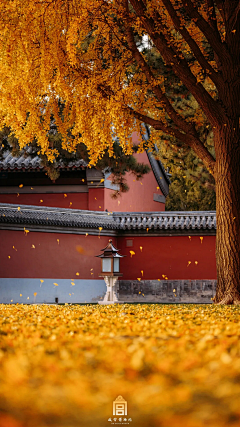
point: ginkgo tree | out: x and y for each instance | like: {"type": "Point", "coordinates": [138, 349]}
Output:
{"type": "Point", "coordinates": [87, 54]}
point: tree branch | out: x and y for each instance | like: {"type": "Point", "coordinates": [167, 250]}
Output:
{"type": "Point", "coordinates": [180, 67]}
{"type": "Point", "coordinates": [208, 31]}
{"type": "Point", "coordinates": [215, 77]}
{"type": "Point", "coordinates": [173, 114]}
{"type": "Point", "coordinates": [193, 142]}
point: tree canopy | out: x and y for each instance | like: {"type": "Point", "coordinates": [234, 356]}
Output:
{"type": "Point", "coordinates": [91, 55]}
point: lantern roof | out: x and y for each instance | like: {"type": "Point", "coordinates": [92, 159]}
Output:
{"type": "Point", "coordinates": [110, 251]}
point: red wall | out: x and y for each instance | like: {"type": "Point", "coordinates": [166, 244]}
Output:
{"type": "Point", "coordinates": [139, 198]}
{"type": "Point", "coordinates": [78, 200]}
{"type": "Point", "coordinates": [168, 256]}
{"type": "Point", "coordinates": [96, 199]}
{"type": "Point", "coordinates": [50, 258]}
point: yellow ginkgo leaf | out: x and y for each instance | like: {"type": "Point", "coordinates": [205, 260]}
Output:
{"type": "Point", "coordinates": [35, 294]}
{"type": "Point", "coordinates": [65, 195]}
{"type": "Point", "coordinates": [201, 238]}
{"type": "Point", "coordinates": [26, 231]}
{"type": "Point", "coordinates": [196, 262]}
{"type": "Point", "coordinates": [132, 253]}
{"type": "Point", "coordinates": [77, 274]}
{"type": "Point", "coordinates": [139, 278]}
{"type": "Point", "coordinates": [72, 283]}
{"type": "Point", "coordinates": [27, 297]}
{"type": "Point", "coordinates": [33, 247]}
{"type": "Point", "coordinates": [189, 262]}
{"type": "Point", "coordinates": [41, 201]}
{"type": "Point", "coordinates": [19, 208]}
{"type": "Point", "coordinates": [55, 284]}
{"type": "Point", "coordinates": [141, 248]}
{"type": "Point", "coordinates": [21, 185]}
{"type": "Point", "coordinates": [20, 295]}
{"type": "Point", "coordinates": [142, 272]}
{"type": "Point", "coordinates": [9, 256]}
{"type": "Point", "coordinates": [58, 241]}
{"type": "Point", "coordinates": [41, 280]}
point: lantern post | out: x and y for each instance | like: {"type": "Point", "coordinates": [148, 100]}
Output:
{"type": "Point", "coordinates": [110, 271]}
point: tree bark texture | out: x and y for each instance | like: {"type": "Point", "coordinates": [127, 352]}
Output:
{"type": "Point", "coordinates": [227, 176]}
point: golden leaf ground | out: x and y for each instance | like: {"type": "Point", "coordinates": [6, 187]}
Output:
{"type": "Point", "coordinates": [65, 365]}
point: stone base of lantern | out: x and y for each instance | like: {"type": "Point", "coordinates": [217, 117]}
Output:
{"type": "Point", "coordinates": [111, 296]}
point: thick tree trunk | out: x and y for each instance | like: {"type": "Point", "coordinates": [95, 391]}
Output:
{"type": "Point", "coordinates": [227, 175]}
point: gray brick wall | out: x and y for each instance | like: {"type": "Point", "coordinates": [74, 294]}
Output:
{"type": "Point", "coordinates": [188, 291]}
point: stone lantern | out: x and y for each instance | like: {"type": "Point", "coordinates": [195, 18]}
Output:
{"type": "Point", "coordinates": [110, 271]}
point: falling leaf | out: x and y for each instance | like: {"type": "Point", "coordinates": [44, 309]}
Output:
{"type": "Point", "coordinates": [19, 208]}
{"type": "Point", "coordinates": [86, 234]}
{"type": "Point", "coordinates": [9, 256]}
{"type": "Point", "coordinates": [196, 262]}
{"type": "Point", "coordinates": [83, 180]}
{"type": "Point", "coordinates": [234, 218]}
{"type": "Point", "coordinates": [132, 253]}
{"type": "Point", "coordinates": [142, 272]}
{"type": "Point", "coordinates": [201, 238]}
{"type": "Point", "coordinates": [65, 195]}
{"type": "Point", "coordinates": [190, 237]}
{"type": "Point", "coordinates": [58, 241]}
{"type": "Point", "coordinates": [41, 280]}
{"type": "Point", "coordinates": [14, 248]}
{"type": "Point", "coordinates": [41, 201]}
{"type": "Point", "coordinates": [31, 188]}
{"type": "Point", "coordinates": [189, 262]}
{"type": "Point", "coordinates": [35, 294]}
{"type": "Point", "coordinates": [70, 294]}
{"type": "Point", "coordinates": [141, 248]}
{"type": "Point", "coordinates": [95, 198]}
{"type": "Point", "coordinates": [143, 295]}
{"type": "Point", "coordinates": [33, 247]}
{"type": "Point", "coordinates": [159, 280]}
{"type": "Point", "coordinates": [20, 295]}
{"type": "Point", "coordinates": [72, 283]}
{"type": "Point", "coordinates": [99, 207]}
{"type": "Point", "coordinates": [91, 182]}
{"type": "Point", "coordinates": [139, 278]}
{"type": "Point", "coordinates": [55, 284]}
{"type": "Point", "coordinates": [26, 231]}
{"type": "Point", "coordinates": [17, 194]}
{"type": "Point", "coordinates": [174, 290]}
{"type": "Point", "coordinates": [21, 185]}
{"type": "Point", "coordinates": [70, 204]}
{"type": "Point", "coordinates": [77, 274]}
{"type": "Point", "coordinates": [80, 250]}
{"type": "Point", "coordinates": [147, 230]}
{"type": "Point", "coordinates": [141, 183]}
{"type": "Point", "coordinates": [11, 300]}
{"type": "Point", "coordinates": [166, 278]}
{"type": "Point", "coordinates": [91, 269]}
{"type": "Point", "coordinates": [118, 202]}
{"type": "Point", "coordinates": [139, 292]}
{"type": "Point", "coordinates": [100, 228]}
{"type": "Point", "coordinates": [163, 275]}
{"type": "Point", "coordinates": [27, 297]}
{"type": "Point", "coordinates": [158, 188]}
{"type": "Point", "coordinates": [234, 31]}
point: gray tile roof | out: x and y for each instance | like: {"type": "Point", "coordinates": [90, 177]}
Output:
{"type": "Point", "coordinates": [27, 161]}
{"type": "Point", "coordinates": [173, 222]}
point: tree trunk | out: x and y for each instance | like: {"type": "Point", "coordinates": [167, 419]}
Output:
{"type": "Point", "coordinates": [227, 176]}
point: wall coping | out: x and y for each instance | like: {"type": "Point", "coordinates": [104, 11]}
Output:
{"type": "Point", "coordinates": [48, 219]}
